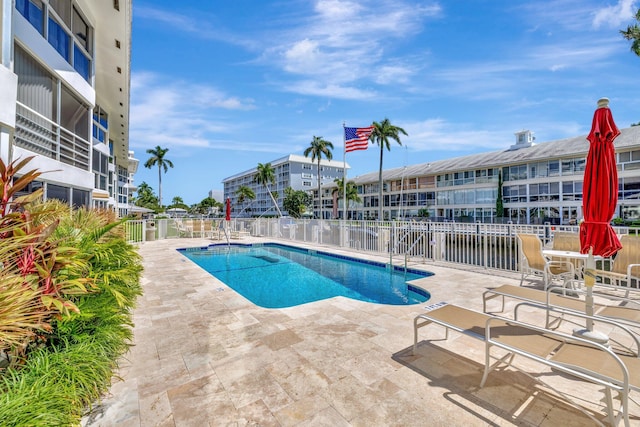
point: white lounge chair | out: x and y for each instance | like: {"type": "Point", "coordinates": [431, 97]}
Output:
{"type": "Point", "coordinates": [623, 310]}
{"type": "Point", "coordinates": [564, 353]}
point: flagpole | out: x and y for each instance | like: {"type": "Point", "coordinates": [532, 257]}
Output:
{"type": "Point", "coordinates": [344, 174]}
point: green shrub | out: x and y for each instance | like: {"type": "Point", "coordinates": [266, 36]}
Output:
{"type": "Point", "coordinates": [93, 276]}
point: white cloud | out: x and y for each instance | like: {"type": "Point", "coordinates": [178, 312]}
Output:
{"type": "Point", "coordinates": [200, 27]}
{"type": "Point", "coordinates": [315, 88]}
{"type": "Point", "coordinates": [433, 135]}
{"type": "Point", "coordinates": [441, 135]}
{"type": "Point", "coordinates": [176, 113]}
{"type": "Point", "coordinates": [337, 9]}
{"type": "Point", "coordinates": [393, 74]}
{"type": "Point", "coordinates": [614, 16]}
{"type": "Point", "coordinates": [345, 42]}
{"type": "Point", "coordinates": [336, 43]}
{"type": "Point", "coordinates": [303, 57]}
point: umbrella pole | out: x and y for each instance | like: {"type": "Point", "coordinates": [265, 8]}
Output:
{"type": "Point", "coordinates": [589, 281]}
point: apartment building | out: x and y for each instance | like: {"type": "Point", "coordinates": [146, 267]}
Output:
{"type": "Point", "coordinates": [541, 182]}
{"type": "Point", "coordinates": [295, 171]}
{"type": "Point", "coordinates": [64, 85]}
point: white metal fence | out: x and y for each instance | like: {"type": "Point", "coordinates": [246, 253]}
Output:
{"type": "Point", "coordinates": [489, 246]}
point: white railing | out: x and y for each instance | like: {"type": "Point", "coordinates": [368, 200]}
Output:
{"type": "Point", "coordinates": [481, 245]}
{"type": "Point", "coordinates": [37, 133]}
{"type": "Point", "coordinates": [488, 246]}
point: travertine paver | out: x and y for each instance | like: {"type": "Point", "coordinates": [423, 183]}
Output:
{"type": "Point", "coordinates": [205, 356]}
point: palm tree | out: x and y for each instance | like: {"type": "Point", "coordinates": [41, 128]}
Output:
{"type": "Point", "coordinates": [382, 133]}
{"type": "Point", "coordinates": [633, 33]}
{"type": "Point", "coordinates": [157, 158]}
{"type": "Point", "coordinates": [317, 149]}
{"type": "Point", "coordinates": [352, 192]}
{"type": "Point", "coordinates": [145, 196]}
{"type": "Point", "coordinates": [144, 188]}
{"type": "Point", "coordinates": [266, 174]}
{"type": "Point", "coordinates": [245, 193]}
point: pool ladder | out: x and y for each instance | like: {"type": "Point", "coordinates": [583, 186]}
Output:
{"type": "Point", "coordinates": [407, 251]}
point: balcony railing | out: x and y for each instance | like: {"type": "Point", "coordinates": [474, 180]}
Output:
{"type": "Point", "coordinates": [37, 133]}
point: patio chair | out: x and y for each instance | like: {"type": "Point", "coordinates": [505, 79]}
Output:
{"type": "Point", "coordinates": [197, 228]}
{"type": "Point", "coordinates": [532, 261]}
{"type": "Point", "coordinates": [209, 229]}
{"type": "Point", "coordinates": [562, 353]}
{"type": "Point", "coordinates": [567, 241]}
{"type": "Point", "coordinates": [625, 268]}
{"type": "Point", "coordinates": [188, 227]}
{"type": "Point", "coordinates": [181, 228]}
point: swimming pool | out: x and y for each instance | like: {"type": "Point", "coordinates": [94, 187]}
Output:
{"type": "Point", "coordinates": [273, 275]}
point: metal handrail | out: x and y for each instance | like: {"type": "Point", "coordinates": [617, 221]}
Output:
{"type": "Point", "coordinates": [396, 246]}
{"type": "Point", "coordinates": [406, 254]}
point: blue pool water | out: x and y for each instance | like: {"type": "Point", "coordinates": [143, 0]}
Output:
{"type": "Point", "coordinates": [276, 276]}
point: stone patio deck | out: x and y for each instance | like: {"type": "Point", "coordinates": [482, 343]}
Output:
{"type": "Point", "coordinates": [206, 356]}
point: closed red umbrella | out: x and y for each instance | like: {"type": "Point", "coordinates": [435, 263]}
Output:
{"type": "Point", "coordinates": [600, 186]}
{"type": "Point", "coordinates": [228, 210]}
{"type": "Point", "coordinates": [599, 199]}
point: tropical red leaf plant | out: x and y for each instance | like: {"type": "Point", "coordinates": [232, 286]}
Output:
{"type": "Point", "coordinates": [47, 269]}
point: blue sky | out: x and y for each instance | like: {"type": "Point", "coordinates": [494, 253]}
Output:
{"type": "Point", "coordinates": [227, 85]}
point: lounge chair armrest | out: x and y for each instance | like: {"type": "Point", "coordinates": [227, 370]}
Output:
{"type": "Point", "coordinates": [568, 265]}
{"type": "Point", "coordinates": [599, 290]}
{"type": "Point", "coordinates": [597, 319]}
{"type": "Point", "coordinates": [630, 269]}
{"type": "Point", "coordinates": [561, 263]}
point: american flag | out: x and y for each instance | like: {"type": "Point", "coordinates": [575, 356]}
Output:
{"type": "Point", "coordinates": [356, 138]}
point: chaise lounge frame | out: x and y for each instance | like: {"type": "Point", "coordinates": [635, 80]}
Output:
{"type": "Point", "coordinates": [564, 353]}
{"type": "Point", "coordinates": [627, 314]}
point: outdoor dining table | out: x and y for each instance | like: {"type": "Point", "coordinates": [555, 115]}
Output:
{"type": "Point", "coordinates": [573, 255]}
{"type": "Point", "coordinates": [570, 255]}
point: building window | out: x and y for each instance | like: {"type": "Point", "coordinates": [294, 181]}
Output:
{"type": "Point", "coordinates": [81, 62]}
{"type": "Point", "coordinates": [80, 198]}
{"type": "Point", "coordinates": [573, 166]}
{"type": "Point", "coordinates": [82, 45]}
{"type": "Point", "coordinates": [80, 29]}
{"type": "Point", "coordinates": [30, 188]}
{"type": "Point", "coordinates": [67, 31]}
{"type": "Point", "coordinates": [427, 182]}
{"type": "Point", "coordinates": [32, 12]}
{"type": "Point", "coordinates": [445, 180]}
{"type": "Point", "coordinates": [630, 188]}
{"type": "Point", "coordinates": [539, 170]}
{"type": "Point", "coordinates": [572, 190]}
{"type": "Point", "coordinates": [100, 125]}
{"type": "Point", "coordinates": [629, 160]}
{"type": "Point", "coordinates": [100, 169]}
{"type": "Point", "coordinates": [59, 39]}
{"type": "Point", "coordinates": [544, 192]}
{"type": "Point", "coordinates": [514, 193]}
{"type": "Point", "coordinates": [486, 195]}
{"type": "Point", "coordinates": [306, 183]}
{"type": "Point", "coordinates": [58, 192]}
{"type": "Point", "coordinates": [515, 173]}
